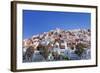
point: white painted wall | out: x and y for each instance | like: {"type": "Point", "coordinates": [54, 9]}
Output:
{"type": "Point", "coordinates": [5, 37]}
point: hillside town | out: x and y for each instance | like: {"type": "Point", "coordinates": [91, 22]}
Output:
{"type": "Point", "coordinates": [58, 45]}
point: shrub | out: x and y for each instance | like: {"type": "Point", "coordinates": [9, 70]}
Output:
{"type": "Point", "coordinates": [80, 49]}
{"type": "Point", "coordinates": [65, 57]}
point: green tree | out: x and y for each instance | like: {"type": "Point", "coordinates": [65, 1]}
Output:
{"type": "Point", "coordinates": [80, 49]}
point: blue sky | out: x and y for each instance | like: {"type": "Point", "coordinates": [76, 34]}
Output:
{"type": "Point", "coordinates": [35, 22]}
